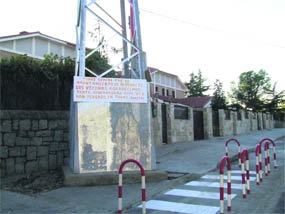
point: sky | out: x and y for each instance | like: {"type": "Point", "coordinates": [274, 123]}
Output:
{"type": "Point", "coordinates": [222, 38]}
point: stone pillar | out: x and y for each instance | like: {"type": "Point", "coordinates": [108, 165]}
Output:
{"type": "Point", "coordinates": [157, 126]}
{"type": "Point", "coordinates": [264, 121]}
{"type": "Point", "coordinates": [235, 123]}
{"type": "Point", "coordinates": [250, 116]}
{"type": "Point", "coordinates": [221, 113]}
{"type": "Point", "coordinates": [259, 121]}
{"type": "Point", "coordinates": [170, 122]}
{"type": "Point", "coordinates": [208, 124]}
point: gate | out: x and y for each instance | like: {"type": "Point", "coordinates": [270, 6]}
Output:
{"type": "Point", "coordinates": [216, 125]}
{"type": "Point", "coordinates": [198, 125]}
{"type": "Point", "coordinates": [164, 123]}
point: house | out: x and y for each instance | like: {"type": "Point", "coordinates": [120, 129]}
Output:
{"type": "Point", "coordinates": [35, 45]}
{"type": "Point", "coordinates": [197, 102]}
{"type": "Point", "coordinates": [166, 84]}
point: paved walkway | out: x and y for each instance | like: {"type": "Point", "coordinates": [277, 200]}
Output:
{"type": "Point", "coordinates": [192, 159]}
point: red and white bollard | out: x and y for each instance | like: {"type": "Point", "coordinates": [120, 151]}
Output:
{"type": "Point", "coordinates": [268, 159]}
{"type": "Point", "coordinates": [225, 159]}
{"type": "Point", "coordinates": [245, 175]}
{"type": "Point", "coordinates": [227, 150]}
{"type": "Point", "coordinates": [266, 155]}
{"type": "Point", "coordinates": [120, 190]}
{"type": "Point", "coordinates": [274, 149]}
{"type": "Point", "coordinates": [257, 163]}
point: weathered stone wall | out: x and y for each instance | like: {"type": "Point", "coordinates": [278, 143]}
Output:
{"type": "Point", "coordinates": [208, 123]}
{"type": "Point", "coordinates": [33, 141]}
{"type": "Point", "coordinates": [103, 135]}
{"type": "Point", "coordinates": [253, 121]}
{"type": "Point", "coordinates": [179, 130]}
{"type": "Point", "coordinates": [279, 124]}
{"type": "Point", "coordinates": [259, 121]}
{"type": "Point", "coordinates": [157, 126]}
{"type": "Point", "coordinates": [242, 124]}
{"type": "Point", "coordinates": [226, 126]}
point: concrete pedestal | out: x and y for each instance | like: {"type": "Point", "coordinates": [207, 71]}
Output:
{"type": "Point", "coordinates": [103, 135]}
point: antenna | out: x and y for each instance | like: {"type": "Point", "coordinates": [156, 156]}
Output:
{"type": "Point", "coordinates": [134, 64]}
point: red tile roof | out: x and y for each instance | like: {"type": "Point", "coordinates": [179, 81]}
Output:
{"type": "Point", "coordinates": [194, 102]}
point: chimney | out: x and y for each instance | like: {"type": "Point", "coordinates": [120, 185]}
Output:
{"type": "Point", "coordinates": [24, 32]}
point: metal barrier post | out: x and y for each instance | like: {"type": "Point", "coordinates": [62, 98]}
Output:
{"type": "Point", "coordinates": [245, 175]}
{"type": "Point", "coordinates": [120, 190]}
{"type": "Point", "coordinates": [257, 163]}
{"type": "Point", "coordinates": [274, 149]}
{"type": "Point", "coordinates": [260, 163]}
{"type": "Point", "coordinates": [227, 151]}
{"type": "Point", "coordinates": [225, 159]}
{"type": "Point", "coordinates": [266, 147]}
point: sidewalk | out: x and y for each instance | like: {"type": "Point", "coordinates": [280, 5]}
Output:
{"type": "Point", "coordinates": [190, 160]}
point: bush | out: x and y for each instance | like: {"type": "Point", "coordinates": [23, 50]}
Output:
{"type": "Point", "coordinates": [31, 84]}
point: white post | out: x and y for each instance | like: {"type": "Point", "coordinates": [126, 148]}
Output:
{"type": "Point", "coordinates": [142, 59]}
{"type": "Point", "coordinates": [82, 38]}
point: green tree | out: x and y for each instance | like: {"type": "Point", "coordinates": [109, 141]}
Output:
{"type": "Point", "coordinates": [196, 86]}
{"type": "Point", "coordinates": [275, 100]}
{"type": "Point", "coordinates": [254, 91]}
{"type": "Point", "coordinates": [219, 98]}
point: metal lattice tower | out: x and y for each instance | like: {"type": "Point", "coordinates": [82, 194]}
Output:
{"type": "Point", "coordinates": [134, 64]}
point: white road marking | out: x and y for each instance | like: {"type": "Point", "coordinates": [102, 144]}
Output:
{"type": "Point", "coordinates": [239, 172]}
{"type": "Point", "coordinates": [180, 207]}
{"type": "Point", "coordinates": [236, 178]}
{"type": "Point", "coordinates": [196, 194]}
{"type": "Point", "coordinates": [212, 184]}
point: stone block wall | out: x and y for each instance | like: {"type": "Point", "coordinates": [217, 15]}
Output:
{"type": "Point", "coordinates": [226, 126]}
{"type": "Point", "coordinates": [208, 123]}
{"type": "Point", "coordinates": [179, 130]}
{"type": "Point", "coordinates": [242, 125]}
{"type": "Point", "coordinates": [157, 126]}
{"type": "Point", "coordinates": [259, 121]}
{"type": "Point", "coordinates": [33, 141]}
{"type": "Point", "coordinates": [253, 121]}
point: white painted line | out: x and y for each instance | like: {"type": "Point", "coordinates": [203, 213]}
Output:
{"type": "Point", "coordinates": [236, 178]}
{"type": "Point", "coordinates": [196, 194]}
{"type": "Point", "coordinates": [180, 207]}
{"type": "Point", "coordinates": [239, 172]}
{"type": "Point", "coordinates": [212, 184]}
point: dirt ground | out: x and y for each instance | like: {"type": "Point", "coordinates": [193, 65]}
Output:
{"type": "Point", "coordinates": [33, 183]}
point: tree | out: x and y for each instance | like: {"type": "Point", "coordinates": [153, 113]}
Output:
{"type": "Point", "coordinates": [254, 91]}
{"type": "Point", "coordinates": [275, 100]}
{"type": "Point", "coordinates": [196, 85]}
{"type": "Point", "coordinates": [219, 98]}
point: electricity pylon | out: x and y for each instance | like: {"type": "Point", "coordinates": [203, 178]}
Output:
{"type": "Point", "coordinates": [134, 63]}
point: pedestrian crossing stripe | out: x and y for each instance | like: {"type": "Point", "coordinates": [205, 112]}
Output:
{"type": "Point", "coordinates": [180, 207]}
{"type": "Point", "coordinates": [239, 172]}
{"type": "Point", "coordinates": [212, 184]}
{"type": "Point", "coordinates": [196, 194]}
{"type": "Point", "coordinates": [236, 178]}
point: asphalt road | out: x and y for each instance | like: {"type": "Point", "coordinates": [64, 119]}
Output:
{"type": "Point", "coordinates": [202, 195]}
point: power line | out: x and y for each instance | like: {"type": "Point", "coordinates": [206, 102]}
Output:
{"type": "Point", "coordinates": [207, 28]}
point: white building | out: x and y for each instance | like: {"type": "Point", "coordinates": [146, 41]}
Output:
{"type": "Point", "coordinates": [35, 45]}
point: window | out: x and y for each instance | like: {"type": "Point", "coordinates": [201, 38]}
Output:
{"type": "Point", "coordinates": [173, 94]}
{"type": "Point", "coordinates": [156, 90]}
{"type": "Point", "coordinates": [167, 92]}
{"type": "Point", "coordinates": [181, 112]}
{"type": "Point", "coordinates": [163, 92]}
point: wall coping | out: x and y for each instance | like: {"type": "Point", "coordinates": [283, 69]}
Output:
{"type": "Point", "coordinates": [35, 115]}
